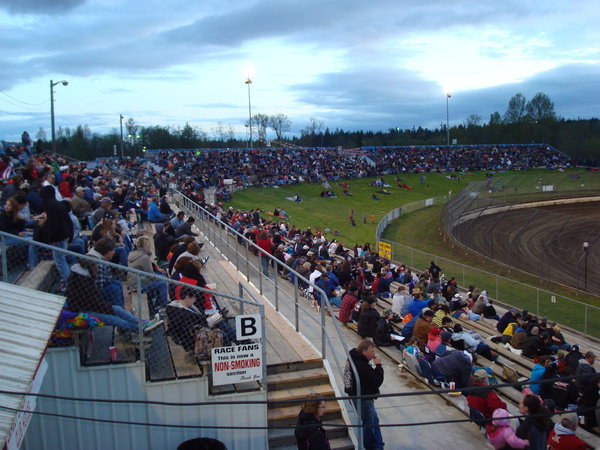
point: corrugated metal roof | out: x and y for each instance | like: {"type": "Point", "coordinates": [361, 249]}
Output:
{"type": "Point", "coordinates": [27, 318]}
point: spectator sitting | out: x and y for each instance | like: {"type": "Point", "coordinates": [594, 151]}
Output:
{"type": "Point", "coordinates": [398, 300]}
{"type": "Point", "coordinates": [434, 339]}
{"type": "Point", "coordinates": [573, 357]}
{"type": "Point", "coordinates": [184, 318]}
{"type": "Point", "coordinates": [562, 436]}
{"type": "Point", "coordinates": [348, 301]}
{"type": "Point", "coordinates": [112, 290]}
{"type": "Point", "coordinates": [500, 434]}
{"type": "Point", "coordinates": [155, 289]}
{"type": "Point", "coordinates": [178, 220]}
{"type": "Point", "coordinates": [533, 344]}
{"type": "Point", "coordinates": [486, 401]}
{"type": "Point", "coordinates": [454, 366]}
{"type": "Point", "coordinates": [185, 229]}
{"type": "Point", "coordinates": [444, 346]}
{"type": "Point", "coordinates": [178, 248]}
{"type": "Point", "coordinates": [83, 296]}
{"type": "Point", "coordinates": [101, 212]}
{"type": "Point", "coordinates": [154, 214]}
{"type": "Point", "coordinates": [538, 372]}
{"type": "Point", "coordinates": [384, 330]}
{"type": "Point", "coordinates": [508, 317]}
{"type": "Point", "coordinates": [585, 368]}
{"type": "Point", "coordinates": [423, 326]}
{"type": "Point", "coordinates": [367, 321]}
{"type": "Point", "coordinates": [563, 392]}
{"type": "Point", "coordinates": [163, 241]}
{"type": "Point", "coordinates": [473, 342]}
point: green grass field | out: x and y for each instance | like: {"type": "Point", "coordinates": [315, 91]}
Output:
{"type": "Point", "coordinates": [421, 230]}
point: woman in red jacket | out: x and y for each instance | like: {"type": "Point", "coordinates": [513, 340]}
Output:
{"type": "Point", "coordinates": [266, 245]}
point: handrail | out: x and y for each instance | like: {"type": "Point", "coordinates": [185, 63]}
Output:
{"type": "Point", "coordinates": [243, 288]}
{"type": "Point", "coordinates": [324, 299]}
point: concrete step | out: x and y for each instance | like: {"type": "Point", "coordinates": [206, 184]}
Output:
{"type": "Point", "coordinates": [301, 392]}
{"type": "Point", "coordinates": [285, 380]}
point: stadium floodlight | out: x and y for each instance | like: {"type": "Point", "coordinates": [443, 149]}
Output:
{"type": "Point", "coordinates": [248, 82]}
{"type": "Point", "coordinates": [448, 95]}
{"type": "Point", "coordinates": [52, 84]}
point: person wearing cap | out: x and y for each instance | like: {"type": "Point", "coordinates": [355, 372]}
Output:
{"type": "Point", "coordinates": [563, 437]}
{"type": "Point", "coordinates": [585, 369]}
{"type": "Point", "coordinates": [367, 321]}
{"type": "Point", "coordinates": [423, 326]}
{"type": "Point", "coordinates": [444, 346]}
{"type": "Point", "coordinates": [483, 400]}
{"type": "Point", "coordinates": [80, 206]}
{"type": "Point", "coordinates": [101, 212]}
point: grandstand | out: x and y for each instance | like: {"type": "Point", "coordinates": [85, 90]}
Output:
{"type": "Point", "coordinates": [305, 349]}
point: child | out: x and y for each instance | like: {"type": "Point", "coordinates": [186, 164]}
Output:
{"type": "Point", "coordinates": [500, 434]}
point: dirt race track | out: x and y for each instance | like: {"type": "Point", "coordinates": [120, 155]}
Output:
{"type": "Point", "coordinates": [545, 241]}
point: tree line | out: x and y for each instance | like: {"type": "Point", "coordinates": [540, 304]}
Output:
{"type": "Point", "coordinates": [524, 121]}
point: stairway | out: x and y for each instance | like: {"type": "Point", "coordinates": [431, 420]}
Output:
{"type": "Point", "coordinates": [293, 381]}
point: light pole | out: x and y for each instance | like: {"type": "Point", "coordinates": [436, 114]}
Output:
{"type": "Point", "coordinates": [64, 83]}
{"type": "Point", "coordinates": [586, 246]}
{"type": "Point", "coordinates": [448, 95]}
{"type": "Point", "coordinates": [249, 82]}
{"type": "Point", "coordinates": [121, 123]}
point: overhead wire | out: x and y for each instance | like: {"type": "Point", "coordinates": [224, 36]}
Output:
{"type": "Point", "coordinates": [21, 101]}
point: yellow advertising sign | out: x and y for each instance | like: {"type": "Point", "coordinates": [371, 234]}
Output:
{"type": "Point", "coordinates": [385, 250]}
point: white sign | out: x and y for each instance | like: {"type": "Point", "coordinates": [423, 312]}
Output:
{"type": "Point", "coordinates": [237, 364]}
{"type": "Point", "coordinates": [548, 188]}
{"type": "Point", "coordinates": [248, 326]}
{"type": "Point", "coordinates": [429, 202]}
{"type": "Point", "coordinates": [17, 431]}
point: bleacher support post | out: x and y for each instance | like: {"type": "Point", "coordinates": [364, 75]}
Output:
{"type": "Point", "coordinates": [4, 261]}
{"type": "Point", "coordinates": [138, 285]}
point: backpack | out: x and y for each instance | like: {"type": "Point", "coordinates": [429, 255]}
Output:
{"type": "Point", "coordinates": [348, 378]}
{"type": "Point", "coordinates": [206, 340]}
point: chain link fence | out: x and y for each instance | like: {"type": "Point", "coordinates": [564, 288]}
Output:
{"type": "Point", "coordinates": [117, 315]}
{"type": "Point", "coordinates": [558, 239]}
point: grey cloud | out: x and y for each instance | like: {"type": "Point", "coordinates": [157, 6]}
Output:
{"type": "Point", "coordinates": [380, 99]}
{"type": "Point", "coordinates": [40, 6]}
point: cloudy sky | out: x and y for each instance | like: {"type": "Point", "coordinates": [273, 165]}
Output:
{"type": "Point", "coordinates": [352, 64]}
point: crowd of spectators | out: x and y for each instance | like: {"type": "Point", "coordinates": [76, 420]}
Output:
{"type": "Point", "coordinates": [50, 200]}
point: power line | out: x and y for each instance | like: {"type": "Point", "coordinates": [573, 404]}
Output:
{"type": "Point", "coordinates": [276, 402]}
{"type": "Point", "coordinates": [233, 427]}
{"type": "Point", "coordinates": [21, 101]}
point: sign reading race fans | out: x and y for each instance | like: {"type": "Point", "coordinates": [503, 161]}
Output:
{"type": "Point", "coordinates": [385, 250]}
{"type": "Point", "coordinates": [236, 364]}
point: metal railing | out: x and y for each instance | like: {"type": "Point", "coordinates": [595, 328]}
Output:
{"type": "Point", "coordinates": [245, 256]}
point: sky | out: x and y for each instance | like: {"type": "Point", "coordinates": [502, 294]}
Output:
{"type": "Point", "coordinates": [350, 64]}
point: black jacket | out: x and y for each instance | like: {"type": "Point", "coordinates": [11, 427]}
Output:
{"type": "Point", "coordinates": [182, 325]}
{"type": "Point", "coordinates": [57, 226]}
{"type": "Point", "coordinates": [310, 433]}
{"type": "Point", "coordinates": [83, 294]}
{"type": "Point", "coordinates": [367, 322]}
{"type": "Point", "coordinates": [370, 378]}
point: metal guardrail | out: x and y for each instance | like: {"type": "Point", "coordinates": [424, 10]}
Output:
{"type": "Point", "coordinates": [236, 248]}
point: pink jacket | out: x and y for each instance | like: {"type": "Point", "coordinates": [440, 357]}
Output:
{"type": "Point", "coordinates": [501, 434]}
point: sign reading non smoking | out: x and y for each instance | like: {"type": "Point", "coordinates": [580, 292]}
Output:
{"type": "Point", "coordinates": [236, 364]}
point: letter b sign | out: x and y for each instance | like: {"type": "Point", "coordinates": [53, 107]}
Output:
{"type": "Point", "coordinates": [248, 327]}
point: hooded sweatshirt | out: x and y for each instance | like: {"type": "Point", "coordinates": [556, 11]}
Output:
{"type": "Point", "coordinates": [563, 438]}
{"type": "Point", "coordinates": [500, 434]}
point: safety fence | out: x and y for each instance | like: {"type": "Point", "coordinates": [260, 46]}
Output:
{"type": "Point", "coordinates": [515, 221]}
{"type": "Point", "coordinates": [120, 315]}
{"type": "Point", "coordinates": [291, 299]}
